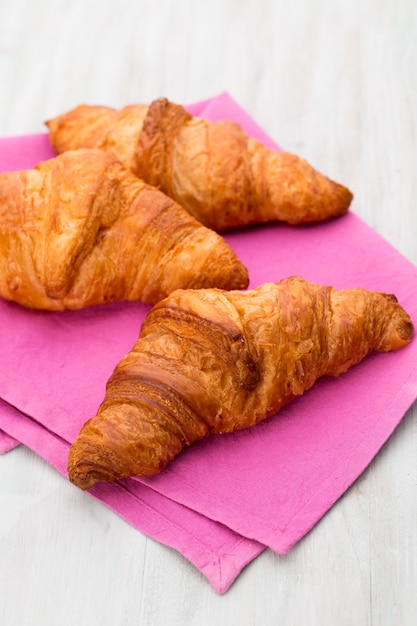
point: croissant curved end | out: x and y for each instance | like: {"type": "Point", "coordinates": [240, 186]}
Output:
{"type": "Point", "coordinates": [84, 474]}
{"type": "Point", "coordinates": [90, 463]}
{"type": "Point", "coordinates": [83, 479]}
{"type": "Point", "coordinates": [399, 328]}
{"type": "Point", "coordinates": [345, 198]}
{"type": "Point", "coordinates": [87, 465]}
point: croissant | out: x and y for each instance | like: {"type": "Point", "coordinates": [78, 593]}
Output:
{"type": "Point", "coordinates": [210, 361]}
{"type": "Point", "coordinates": [214, 170]}
{"type": "Point", "coordinates": [81, 230]}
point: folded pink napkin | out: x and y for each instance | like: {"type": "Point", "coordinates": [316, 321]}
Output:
{"type": "Point", "coordinates": [232, 494]}
{"type": "Point", "coordinates": [218, 552]}
{"type": "Point", "coordinates": [7, 443]}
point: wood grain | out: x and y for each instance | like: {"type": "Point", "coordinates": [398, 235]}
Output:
{"type": "Point", "coordinates": [334, 81]}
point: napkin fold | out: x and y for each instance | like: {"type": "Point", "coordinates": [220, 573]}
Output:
{"type": "Point", "coordinates": [232, 494]}
{"type": "Point", "coordinates": [218, 552]}
{"type": "Point", "coordinates": [7, 443]}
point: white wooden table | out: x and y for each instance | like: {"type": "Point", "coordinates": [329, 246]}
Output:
{"type": "Point", "coordinates": [332, 80]}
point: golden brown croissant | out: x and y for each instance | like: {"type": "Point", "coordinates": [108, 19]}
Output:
{"type": "Point", "coordinates": [80, 230]}
{"type": "Point", "coordinates": [210, 361]}
{"type": "Point", "coordinates": [213, 169]}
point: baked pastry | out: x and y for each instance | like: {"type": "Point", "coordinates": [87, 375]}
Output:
{"type": "Point", "coordinates": [213, 169]}
{"type": "Point", "coordinates": [81, 230]}
{"type": "Point", "coordinates": [211, 361]}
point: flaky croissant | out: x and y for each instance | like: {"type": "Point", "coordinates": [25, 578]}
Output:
{"type": "Point", "coordinates": [81, 230]}
{"type": "Point", "coordinates": [213, 169]}
{"type": "Point", "coordinates": [210, 361]}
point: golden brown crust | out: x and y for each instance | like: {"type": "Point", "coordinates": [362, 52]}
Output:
{"type": "Point", "coordinates": [211, 361]}
{"type": "Point", "coordinates": [213, 169]}
{"type": "Point", "coordinates": [108, 129]}
{"type": "Point", "coordinates": [80, 230]}
{"type": "Point", "coordinates": [154, 153]}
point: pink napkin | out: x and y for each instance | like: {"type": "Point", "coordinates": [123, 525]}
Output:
{"type": "Point", "coordinates": [231, 495]}
{"type": "Point", "coordinates": [218, 552]}
{"type": "Point", "coordinates": [7, 443]}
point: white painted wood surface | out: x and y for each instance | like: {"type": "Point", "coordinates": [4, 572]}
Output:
{"type": "Point", "coordinates": [333, 80]}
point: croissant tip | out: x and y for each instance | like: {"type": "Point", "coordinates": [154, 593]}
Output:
{"type": "Point", "coordinates": [82, 481]}
{"type": "Point", "coordinates": [405, 330]}
{"type": "Point", "coordinates": [83, 471]}
{"type": "Point", "coordinates": [85, 475]}
{"type": "Point", "coordinates": [343, 198]}
{"type": "Point", "coordinates": [400, 328]}
{"type": "Point", "coordinates": [81, 474]}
